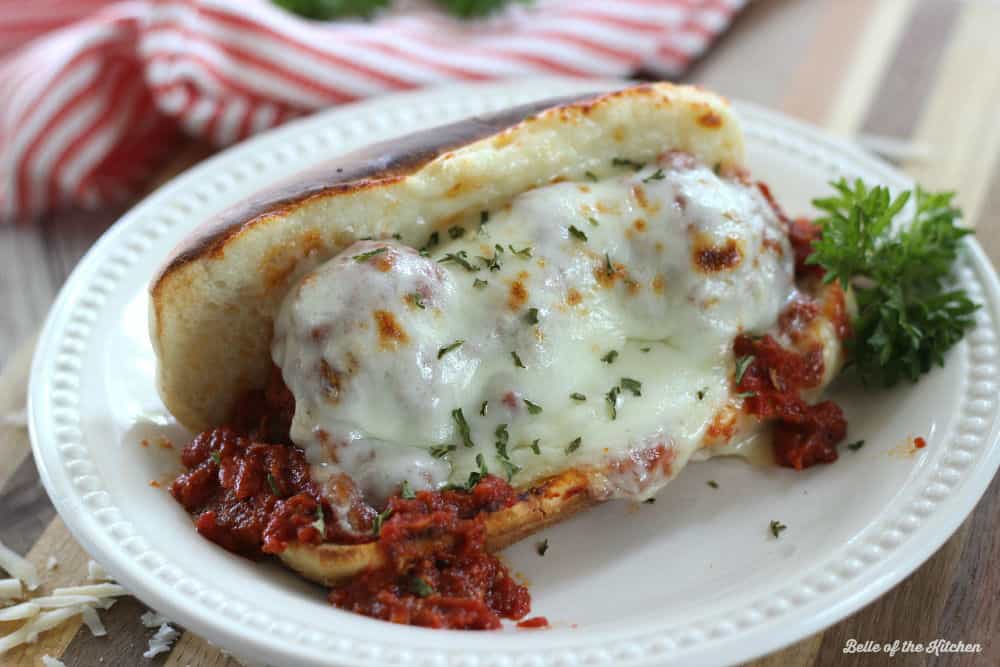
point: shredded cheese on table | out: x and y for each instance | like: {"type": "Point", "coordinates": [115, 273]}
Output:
{"type": "Point", "coordinates": [18, 567]}
{"type": "Point", "coordinates": [10, 589]}
{"type": "Point", "coordinates": [29, 632]}
{"type": "Point", "coordinates": [20, 611]}
{"type": "Point", "coordinates": [95, 590]}
{"type": "Point", "coordinates": [161, 641]}
{"type": "Point", "coordinates": [46, 612]}
{"type": "Point", "coordinates": [93, 622]}
{"type": "Point", "coordinates": [95, 572]}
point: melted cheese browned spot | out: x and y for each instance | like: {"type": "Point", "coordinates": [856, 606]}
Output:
{"type": "Point", "coordinates": [711, 120]}
{"type": "Point", "coordinates": [710, 258]}
{"type": "Point", "coordinates": [383, 262]}
{"type": "Point", "coordinates": [390, 334]}
{"type": "Point", "coordinates": [640, 195]}
{"type": "Point", "coordinates": [605, 277]}
{"type": "Point", "coordinates": [518, 294]}
{"type": "Point", "coordinates": [329, 381]}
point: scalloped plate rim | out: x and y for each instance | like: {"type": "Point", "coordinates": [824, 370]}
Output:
{"type": "Point", "coordinates": [85, 527]}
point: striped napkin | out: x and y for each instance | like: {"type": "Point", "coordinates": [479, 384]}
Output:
{"type": "Point", "coordinates": [94, 91]}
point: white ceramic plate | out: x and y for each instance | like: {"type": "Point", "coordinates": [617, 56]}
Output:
{"type": "Point", "coordinates": [695, 578]}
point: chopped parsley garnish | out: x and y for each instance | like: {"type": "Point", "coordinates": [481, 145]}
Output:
{"type": "Point", "coordinates": [574, 445]}
{"type": "Point", "coordinates": [531, 317]}
{"type": "Point", "coordinates": [610, 357]}
{"type": "Point", "coordinates": [658, 175]}
{"type": "Point", "coordinates": [441, 451]}
{"type": "Point", "coordinates": [777, 527]}
{"type": "Point", "coordinates": [484, 408]}
{"type": "Point", "coordinates": [456, 232]}
{"type": "Point", "coordinates": [503, 437]}
{"type": "Point", "coordinates": [406, 491]}
{"type": "Point", "coordinates": [217, 458]}
{"type": "Point", "coordinates": [271, 482]}
{"type": "Point", "coordinates": [612, 398]}
{"type": "Point", "coordinates": [320, 523]}
{"type": "Point", "coordinates": [855, 446]}
{"type": "Point", "coordinates": [510, 468]}
{"type": "Point", "coordinates": [379, 520]}
{"type": "Point", "coordinates": [745, 394]}
{"type": "Point", "coordinates": [624, 162]}
{"type": "Point", "coordinates": [523, 253]}
{"type": "Point", "coordinates": [397, 236]}
{"type": "Point", "coordinates": [593, 221]}
{"type": "Point", "coordinates": [484, 217]}
{"type": "Point", "coordinates": [432, 241]}
{"type": "Point", "coordinates": [480, 284]}
{"type": "Point", "coordinates": [419, 587]}
{"type": "Point", "coordinates": [591, 176]}
{"type": "Point", "coordinates": [517, 359]}
{"type": "Point", "coordinates": [542, 547]}
{"type": "Point", "coordinates": [448, 348]}
{"type": "Point", "coordinates": [742, 364]}
{"type": "Point", "coordinates": [909, 312]}
{"type": "Point", "coordinates": [493, 263]}
{"type": "Point", "coordinates": [416, 299]}
{"type": "Point", "coordinates": [645, 349]}
{"type": "Point", "coordinates": [577, 396]}
{"type": "Point", "coordinates": [476, 476]}
{"type": "Point", "coordinates": [649, 501]}
{"type": "Point", "coordinates": [577, 233]}
{"type": "Point", "coordinates": [631, 385]}
{"type": "Point", "coordinates": [712, 483]}
{"type": "Point", "coordinates": [535, 447]}
{"type": "Point", "coordinates": [501, 444]}
{"type": "Point", "coordinates": [461, 258]}
{"type": "Point", "coordinates": [365, 256]}
{"type": "Point", "coordinates": [701, 393]}
{"type": "Point", "coordinates": [463, 427]}
{"type": "Point", "coordinates": [533, 408]}
{"type": "Point", "coordinates": [609, 268]}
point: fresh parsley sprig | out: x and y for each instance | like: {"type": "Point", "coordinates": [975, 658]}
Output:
{"type": "Point", "coordinates": [909, 313]}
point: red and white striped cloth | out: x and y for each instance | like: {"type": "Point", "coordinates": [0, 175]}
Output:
{"type": "Point", "coordinates": [94, 91]}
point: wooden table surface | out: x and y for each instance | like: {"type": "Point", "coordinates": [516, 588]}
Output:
{"type": "Point", "coordinates": [919, 76]}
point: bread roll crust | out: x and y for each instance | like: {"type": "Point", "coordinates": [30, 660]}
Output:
{"type": "Point", "coordinates": [213, 302]}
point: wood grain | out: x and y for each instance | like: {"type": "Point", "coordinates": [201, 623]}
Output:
{"type": "Point", "coordinates": [920, 70]}
{"type": "Point", "coordinates": [880, 38]}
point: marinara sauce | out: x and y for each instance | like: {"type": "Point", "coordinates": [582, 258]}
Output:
{"type": "Point", "coordinates": [775, 377]}
{"type": "Point", "coordinates": [250, 492]}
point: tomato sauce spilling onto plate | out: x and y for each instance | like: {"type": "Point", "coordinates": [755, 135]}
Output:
{"type": "Point", "coordinates": [804, 434]}
{"type": "Point", "coordinates": [775, 377]}
{"type": "Point", "coordinates": [253, 498]}
{"type": "Point", "coordinates": [439, 573]}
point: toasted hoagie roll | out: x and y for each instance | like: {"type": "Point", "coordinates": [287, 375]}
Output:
{"type": "Point", "coordinates": [576, 295]}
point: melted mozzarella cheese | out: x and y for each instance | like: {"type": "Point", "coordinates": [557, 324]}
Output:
{"type": "Point", "coordinates": [639, 281]}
